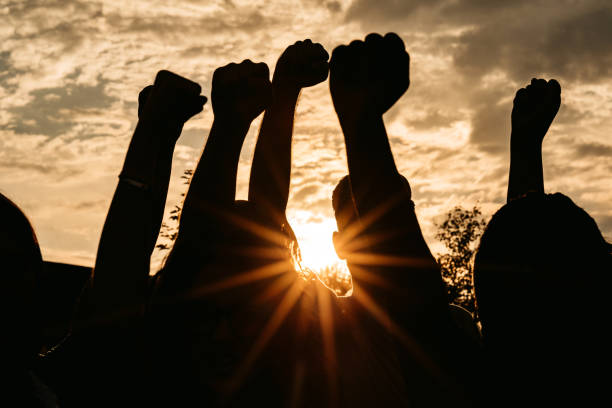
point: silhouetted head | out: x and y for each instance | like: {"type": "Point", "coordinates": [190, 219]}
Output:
{"type": "Point", "coordinates": [345, 213]}
{"type": "Point", "coordinates": [541, 272]}
{"type": "Point", "coordinates": [21, 270]}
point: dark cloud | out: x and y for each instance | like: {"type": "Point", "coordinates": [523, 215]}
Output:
{"type": "Point", "coordinates": [89, 205]}
{"type": "Point", "coordinates": [523, 38]}
{"type": "Point", "coordinates": [510, 41]}
{"type": "Point", "coordinates": [525, 43]}
{"type": "Point", "coordinates": [593, 150]}
{"type": "Point", "coordinates": [51, 112]}
{"type": "Point", "coordinates": [431, 119]}
{"type": "Point", "coordinates": [332, 6]}
{"type": "Point", "coordinates": [385, 10]}
{"type": "Point", "coordinates": [8, 72]}
{"type": "Point", "coordinates": [491, 127]}
{"type": "Point", "coordinates": [58, 22]}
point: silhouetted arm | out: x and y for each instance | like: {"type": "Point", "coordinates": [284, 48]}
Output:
{"type": "Point", "coordinates": [371, 165]}
{"type": "Point", "coordinates": [134, 218]}
{"type": "Point", "coordinates": [535, 107]}
{"type": "Point", "coordinates": [240, 92]}
{"type": "Point", "coordinates": [366, 79]}
{"type": "Point", "coordinates": [302, 64]}
{"type": "Point", "coordinates": [213, 185]}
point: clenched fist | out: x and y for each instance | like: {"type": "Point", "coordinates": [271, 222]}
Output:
{"type": "Point", "coordinates": [369, 75]}
{"type": "Point", "coordinates": [301, 65]}
{"type": "Point", "coordinates": [241, 91]}
{"type": "Point", "coordinates": [535, 107]}
{"type": "Point", "coordinates": [171, 97]}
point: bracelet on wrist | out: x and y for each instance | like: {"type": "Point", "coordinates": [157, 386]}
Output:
{"type": "Point", "coordinates": [134, 183]}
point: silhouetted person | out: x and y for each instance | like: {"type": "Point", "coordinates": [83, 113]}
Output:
{"type": "Point", "coordinates": [21, 311]}
{"type": "Point", "coordinates": [121, 274]}
{"type": "Point", "coordinates": [378, 232]}
{"type": "Point", "coordinates": [104, 362]}
{"type": "Point", "coordinates": [542, 276]}
{"type": "Point", "coordinates": [200, 340]}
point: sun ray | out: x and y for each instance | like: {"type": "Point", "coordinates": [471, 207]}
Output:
{"type": "Point", "coordinates": [356, 228]}
{"type": "Point", "coordinates": [404, 338]}
{"type": "Point", "coordinates": [365, 276]}
{"type": "Point", "coordinates": [264, 272]}
{"type": "Point", "coordinates": [373, 259]}
{"type": "Point", "coordinates": [269, 234]}
{"type": "Point", "coordinates": [275, 321]}
{"type": "Point", "coordinates": [275, 288]}
{"type": "Point", "coordinates": [326, 319]}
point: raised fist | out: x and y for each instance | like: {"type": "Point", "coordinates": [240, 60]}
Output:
{"type": "Point", "coordinates": [370, 74]}
{"type": "Point", "coordinates": [535, 107]}
{"type": "Point", "coordinates": [301, 65]}
{"type": "Point", "coordinates": [241, 91]}
{"type": "Point", "coordinates": [171, 97]}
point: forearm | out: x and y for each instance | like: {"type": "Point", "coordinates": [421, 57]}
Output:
{"type": "Point", "coordinates": [121, 272]}
{"type": "Point", "coordinates": [370, 162]}
{"type": "Point", "coordinates": [526, 173]}
{"type": "Point", "coordinates": [213, 185]}
{"type": "Point", "coordinates": [149, 160]}
{"type": "Point", "coordinates": [132, 224]}
{"type": "Point", "coordinates": [271, 168]}
{"type": "Point", "coordinates": [161, 184]}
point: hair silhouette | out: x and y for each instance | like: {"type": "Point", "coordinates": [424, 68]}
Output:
{"type": "Point", "coordinates": [538, 249]}
{"type": "Point", "coordinates": [22, 269]}
{"type": "Point", "coordinates": [542, 280]}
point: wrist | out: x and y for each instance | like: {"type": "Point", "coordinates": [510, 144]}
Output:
{"type": "Point", "coordinates": [525, 140]}
{"type": "Point", "coordinates": [285, 90]}
{"type": "Point", "coordinates": [232, 127]}
{"type": "Point", "coordinates": [161, 128]}
{"type": "Point", "coordinates": [526, 148]}
{"type": "Point", "coordinates": [161, 122]}
{"type": "Point", "coordinates": [353, 119]}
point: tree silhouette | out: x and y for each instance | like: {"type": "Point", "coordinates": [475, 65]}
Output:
{"type": "Point", "coordinates": [460, 232]}
{"type": "Point", "coordinates": [169, 228]}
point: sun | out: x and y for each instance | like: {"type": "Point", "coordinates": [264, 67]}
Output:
{"type": "Point", "coordinates": [316, 245]}
{"type": "Point", "coordinates": [319, 255]}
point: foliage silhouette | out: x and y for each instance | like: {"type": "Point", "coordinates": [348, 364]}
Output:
{"type": "Point", "coordinates": [460, 232]}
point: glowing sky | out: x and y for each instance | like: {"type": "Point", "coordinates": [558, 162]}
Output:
{"type": "Point", "coordinates": [70, 73]}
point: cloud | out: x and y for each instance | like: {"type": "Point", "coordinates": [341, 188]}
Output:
{"type": "Point", "coordinates": [540, 40]}
{"type": "Point", "coordinates": [593, 150]}
{"type": "Point", "coordinates": [386, 10]}
{"type": "Point", "coordinates": [8, 73]}
{"type": "Point", "coordinates": [522, 38]}
{"type": "Point", "coordinates": [51, 111]}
